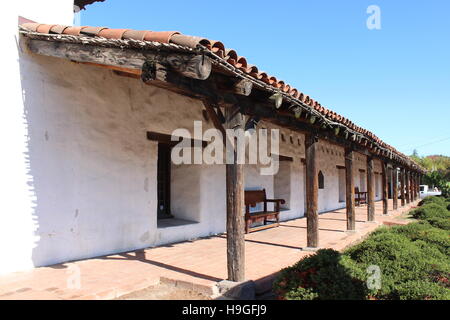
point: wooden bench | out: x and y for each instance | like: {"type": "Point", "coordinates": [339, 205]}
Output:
{"type": "Point", "coordinates": [252, 198]}
{"type": "Point", "coordinates": [360, 197]}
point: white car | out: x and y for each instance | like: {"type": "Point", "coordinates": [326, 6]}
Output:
{"type": "Point", "coordinates": [425, 192]}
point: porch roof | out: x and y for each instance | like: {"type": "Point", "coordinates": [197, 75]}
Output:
{"type": "Point", "coordinates": [223, 58]}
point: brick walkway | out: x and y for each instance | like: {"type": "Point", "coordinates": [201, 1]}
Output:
{"type": "Point", "coordinates": [195, 264]}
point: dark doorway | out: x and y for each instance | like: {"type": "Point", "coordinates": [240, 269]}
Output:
{"type": "Point", "coordinates": [163, 178]}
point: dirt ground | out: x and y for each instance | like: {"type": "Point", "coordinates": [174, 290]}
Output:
{"type": "Point", "coordinates": [164, 292]}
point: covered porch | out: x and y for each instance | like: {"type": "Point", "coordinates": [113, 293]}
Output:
{"type": "Point", "coordinates": [197, 264]}
{"type": "Point", "coordinates": [196, 83]}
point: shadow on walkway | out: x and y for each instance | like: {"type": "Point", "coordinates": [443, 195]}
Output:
{"type": "Point", "coordinates": [140, 256]}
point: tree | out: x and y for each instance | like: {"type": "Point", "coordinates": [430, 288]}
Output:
{"type": "Point", "coordinates": [438, 168]}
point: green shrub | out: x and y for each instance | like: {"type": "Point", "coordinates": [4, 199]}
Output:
{"type": "Point", "coordinates": [423, 230]}
{"type": "Point", "coordinates": [430, 210]}
{"type": "Point", "coordinates": [421, 290]}
{"type": "Point", "coordinates": [398, 258]}
{"type": "Point", "coordinates": [414, 261]}
{"type": "Point", "coordinates": [440, 223]}
{"type": "Point", "coordinates": [433, 199]}
{"type": "Point", "coordinates": [325, 275]}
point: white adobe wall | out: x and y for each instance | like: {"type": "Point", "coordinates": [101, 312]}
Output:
{"type": "Point", "coordinates": [18, 203]}
{"type": "Point", "coordinates": [329, 157]}
{"type": "Point", "coordinates": [288, 184]}
{"type": "Point", "coordinates": [94, 171]}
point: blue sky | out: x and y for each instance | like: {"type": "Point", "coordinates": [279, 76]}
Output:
{"type": "Point", "coordinates": [394, 81]}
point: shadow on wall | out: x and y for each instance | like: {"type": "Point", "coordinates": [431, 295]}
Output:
{"type": "Point", "coordinates": [90, 170]}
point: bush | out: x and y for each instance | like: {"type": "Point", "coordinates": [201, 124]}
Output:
{"type": "Point", "coordinates": [430, 210]}
{"type": "Point", "coordinates": [440, 223]}
{"type": "Point", "coordinates": [421, 290]}
{"type": "Point", "coordinates": [414, 261]}
{"type": "Point", "coordinates": [424, 231]}
{"type": "Point", "coordinates": [398, 258]}
{"type": "Point", "coordinates": [433, 199]}
{"type": "Point", "coordinates": [325, 275]}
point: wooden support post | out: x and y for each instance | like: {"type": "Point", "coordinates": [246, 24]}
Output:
{"type": "Point", "coordinates": [384, 177]}
{"type": "Point", "coordinates": [370, 190]}
{"type": "Point", "coordinates": [407, 188]}
{"type": "Point", "coordinates": [312, 191]}
{"type": "Point", "coordinates": [402, 186]}
{"type": "Point", "coordinates": [417, 186]}
{"type": "Point", "coordinates": [395, 187]}
{"type": "Point", "coordinates": [235, 206]}
{"type": "Point", "coordinates": [350, 190]}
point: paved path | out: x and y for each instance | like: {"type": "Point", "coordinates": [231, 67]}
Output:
{"type": "Point", "coordinates": [195, 264]}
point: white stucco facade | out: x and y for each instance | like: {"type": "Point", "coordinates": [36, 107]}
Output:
{"type": "Point", "coordinates": [18, 201]}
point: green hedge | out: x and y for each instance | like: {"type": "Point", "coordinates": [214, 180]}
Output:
{"type": "Point", "coordinates": [414, 261]}
{"type": "Point", "coordinates": [434, 199]}
{"type": "Point", "coordinates": [326, 275]}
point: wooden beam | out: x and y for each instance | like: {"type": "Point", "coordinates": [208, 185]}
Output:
{"type": "Point", "coordinates": [215, 118]}
{"type": "Point", "coordinates": [384, 179]}
{"type": "Point", "coordinates": [189, 65]}
{"type": "Point", "coordinates": [235, 206]}
{"type": "Point", "coordinates": [312, 191]}
{"type": "Point", "coordinates": [350, 189]}
{"type": "Point", "coordinates": [129, 62]}
{"type": "Point", "coordinates": [243, 87]}
{"type": "Point", "coordinates": [370, 190]}
{"type": "Point", "coordinates": [395, 188]}
{"type": "Point", "coordinates": [285, 158]}
{"type": "Point", "coordinates": [167, 139]}
{"type": "Point", "coordinates": [228, 84]}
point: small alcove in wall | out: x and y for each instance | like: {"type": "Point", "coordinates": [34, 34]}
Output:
{"type": "Point", "coordinates": [377, 184]}
{"type": "Point", "coordinates": [321, 180]}
{"type": "Point", "coordinates": [282, 181]}
{"type": "Point", "coordinates": [341, 182]}
{"type": "Point", "coordinates": [178, 186]}
{"type": "Point", "coordinates": [362, 180]}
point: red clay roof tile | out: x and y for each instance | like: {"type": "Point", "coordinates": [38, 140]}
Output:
{"type": "Point", "coordinates": [217, 47]}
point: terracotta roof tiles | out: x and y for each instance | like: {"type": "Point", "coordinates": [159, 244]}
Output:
{"type": "Point", "coordinates": [218, 48]}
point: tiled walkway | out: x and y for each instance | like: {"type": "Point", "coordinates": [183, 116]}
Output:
{"type": "Point", "coordinates": [196, 264]}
